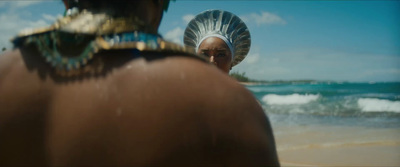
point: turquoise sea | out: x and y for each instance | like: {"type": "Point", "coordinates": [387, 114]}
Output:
{"type": "Point", "coordinates": [333, 123]}
{"type": "Point", "coordinates": [344, 103]}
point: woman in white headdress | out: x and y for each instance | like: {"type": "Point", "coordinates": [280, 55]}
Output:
{"type": "Point", "coordinates": [220, 35]}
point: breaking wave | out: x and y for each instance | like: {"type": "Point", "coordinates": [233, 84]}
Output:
{"type": "Point", "coordinates": [378, 105]}
{"type": "Point", "coordinates": [293, 99]}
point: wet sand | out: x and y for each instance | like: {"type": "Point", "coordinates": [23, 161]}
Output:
{"type": "Point", "coordinates": [337, 146]}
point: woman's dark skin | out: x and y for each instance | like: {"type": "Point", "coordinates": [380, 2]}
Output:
{"type": "Point", "coordinates": [218, 52]}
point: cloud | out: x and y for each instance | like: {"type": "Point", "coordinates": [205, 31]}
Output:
{"type": "Point", "coordinates": [14, 20]}
{"type": "Point", "coordinates": [187, 18]}
{"type": "Point", "coordinates": [14, 23]}
{"type": "Point", "coordinates": [50, 18]}
{"type": "Point", "coordinates": [175, 35]}
{"type": "Point", "coordinates": [264, 18]}
{"type": "Point", "coordinates": [22, 4]}
{"type": "Point", "coordinates": [253, 58]}
{"type": "Point", "coordinates": [18, 4]}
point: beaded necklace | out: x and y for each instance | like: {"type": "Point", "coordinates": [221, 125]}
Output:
{"type": "Point", "coordinates": [87, 34]}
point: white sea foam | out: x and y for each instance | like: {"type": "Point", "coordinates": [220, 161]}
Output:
{"type": "Point", "coordinates": [378, 105]}
{"type": "Point", "coordinates": [273, 99]}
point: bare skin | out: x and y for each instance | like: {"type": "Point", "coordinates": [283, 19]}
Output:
{"type": "Point", "coordinates": [218, 53]}
{"type": "Point", "coordinates": [142, 113]}
{"type": "Point", "coordinates": [145, 111]}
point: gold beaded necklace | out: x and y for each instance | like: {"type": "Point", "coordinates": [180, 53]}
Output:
{"type": "Point", "coordinates": [88, 33]}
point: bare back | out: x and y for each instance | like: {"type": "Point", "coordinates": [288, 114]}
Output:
{"type": "Point", "coordinates": [172, 110]}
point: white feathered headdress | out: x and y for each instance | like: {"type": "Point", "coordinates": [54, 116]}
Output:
{"type": "Point", "coordinates": [221, 24]}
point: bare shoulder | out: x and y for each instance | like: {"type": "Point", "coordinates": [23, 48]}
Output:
{"type": "Point", "coordinates": [11, 74]}
{"type": "Point", "coordinates": [20, 87]}
{"type": "Point", "coordinates": [22, 111]}
{"type": "Point", "coordinates": [186, 82]}
{"type": "Point", "coordinates": [240, 129]}
{"type": "Point", "coordinates": [184, 111]}
{"type": "Point", "coordinates": [227, 117]}
{"type": "Point", "coordinates": [189, 82]}
{"type": "Point", "coordinates": [189, 78]}
{"type": "Point", "coordinates": [17, 62]}
{"type": "Point", "coordinates": [9, 59]}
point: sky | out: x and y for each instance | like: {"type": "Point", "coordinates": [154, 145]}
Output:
{"type": "Point", "coordinates": [356, 41]}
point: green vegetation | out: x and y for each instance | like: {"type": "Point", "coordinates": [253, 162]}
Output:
{"type": "Point", "coordinates": [4, 49]}
{"type": "Point", "coordinates": [241, 77]}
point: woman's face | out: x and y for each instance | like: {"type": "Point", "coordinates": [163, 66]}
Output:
{"type": "Point", "coordinates": [217, 51]}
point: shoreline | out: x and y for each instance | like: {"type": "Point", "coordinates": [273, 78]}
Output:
{"type": "Point", "coordinates": [250, 83]}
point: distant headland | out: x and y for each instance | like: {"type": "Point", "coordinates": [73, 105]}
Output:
{"type": "Point", "coordinates": [242, 78]}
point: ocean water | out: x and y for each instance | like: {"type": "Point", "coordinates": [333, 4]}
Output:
{"type": "Point", "coordinates": [331, 103]}
{"type": "Point", "coordinates": [333, 124]}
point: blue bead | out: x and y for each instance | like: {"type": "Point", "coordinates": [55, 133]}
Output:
{"type": "Point", "coordinates": [135, 52]}
{"type": "Point", "coordinates": [142, 37]}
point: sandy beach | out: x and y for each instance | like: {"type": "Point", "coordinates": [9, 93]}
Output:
{"type": "Point", "coordinates": [337, 146]}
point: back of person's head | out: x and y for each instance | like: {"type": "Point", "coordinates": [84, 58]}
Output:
{"type": "Point", "coordinates": [150, 12]}
{"type": "Point", "coordinates": [117, 7]}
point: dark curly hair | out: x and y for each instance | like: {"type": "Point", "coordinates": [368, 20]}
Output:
{"type": "Point", "coordinates": [96, 4]}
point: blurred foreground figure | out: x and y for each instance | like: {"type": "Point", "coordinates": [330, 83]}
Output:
{"type": "Point", "coordinates": [101, 87]}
